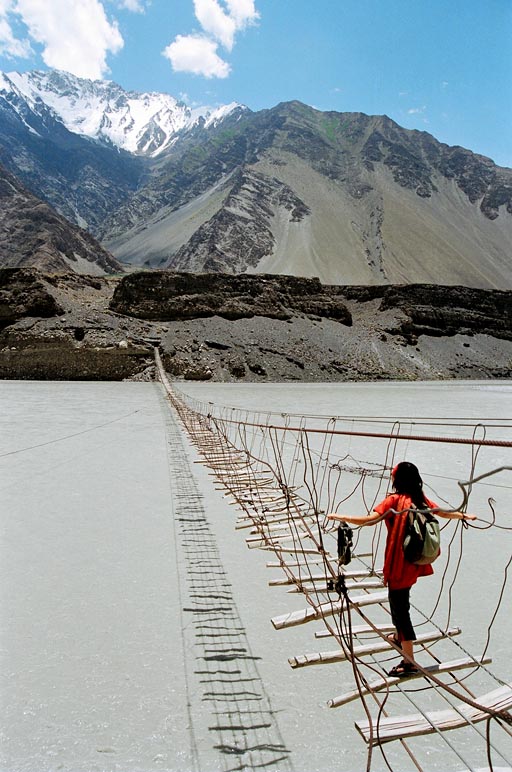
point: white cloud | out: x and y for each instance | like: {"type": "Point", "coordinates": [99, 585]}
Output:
{"type": "Point", "coordinates": [196, 54]}
{"type": "Point", "coordinates": [220, 21]}
{"type": "Point", "coordinates": [417, 110]}
{"type": "Point", "coordinates": [137, 6]}
{"type": "Point", "coordinates": [243, 12]}
{"type": "Point", "coordinates": [75, 36]}
{"type": "Point", "coordinates": [10, 45]}
{"type": "Point", "coordinates": [215, 22]}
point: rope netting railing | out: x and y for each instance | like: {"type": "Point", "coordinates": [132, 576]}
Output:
{"type": "Point", "coordinates": [284, 472]}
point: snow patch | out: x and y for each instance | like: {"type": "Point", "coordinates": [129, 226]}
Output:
{"type": "Point", "coordinates": [145, 123]}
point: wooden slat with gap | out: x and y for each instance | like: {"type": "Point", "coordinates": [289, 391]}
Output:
{"type": "Point", "coordinates": [276, 541]}
{"type": "Point", "coordinates": [269, 516]}
{"type": "Point", "coordinates": [287, 564]}
{"type": "Point", "coordinates": [269, 528]}
{"type": "Point", "coordinates": [302, 616]}
{"type": "Point", "coordinates": [401, 727]}
{"type": "Point", "coordinates": [339, 655]}
{"type": "Point", "coordinates": [364, 584]}
{"type": "Point", "coordinates": [359, 630]}
{"type": "Point", "coordinates": [296, 550]}
{"type": "Point", "coordinates": [384, 683]}
{"type": "Point", "coordinates": [319, 577]}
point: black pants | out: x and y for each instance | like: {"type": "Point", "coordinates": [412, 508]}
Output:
{"type": "Point", "coordinates": [399, 606]}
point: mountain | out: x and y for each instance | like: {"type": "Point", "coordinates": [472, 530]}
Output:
{"type": "Point", "coordinates": [85, 146]}
{"type": "Point", "coordinates": [144, 124]}
{"type": "Point", "coordinates": [33, 234]}
{"type": "Point", "coordinates": [346, 197]}
{"type": "Point", "coordinates": [82, 178]}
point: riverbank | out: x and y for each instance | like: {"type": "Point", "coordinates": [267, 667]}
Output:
{"type": "Point", "coordinates": [251, 329]}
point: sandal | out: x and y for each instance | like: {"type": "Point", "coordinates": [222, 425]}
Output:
{"type": "Point", "coordinates": [403, 670]}
{"type": "Point", "coordinates": [394, 640]}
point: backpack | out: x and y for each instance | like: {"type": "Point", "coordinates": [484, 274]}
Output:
{"type": "Point", "coordinates": [422, 537]}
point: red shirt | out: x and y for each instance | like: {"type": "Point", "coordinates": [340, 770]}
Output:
{"type": "Point", "coordinates": [398, 573]}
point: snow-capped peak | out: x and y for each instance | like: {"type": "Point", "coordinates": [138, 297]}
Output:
{"type": "Point", "coordinates": [217, 115]}
{"type": "Point", "coordinates": [143, 123]}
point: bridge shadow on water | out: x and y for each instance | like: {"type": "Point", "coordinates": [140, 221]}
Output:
{"type": "Point", "coordinates": [244, 726]}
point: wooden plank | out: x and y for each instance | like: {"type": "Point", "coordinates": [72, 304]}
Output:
{"type": "Point", "coordinates": [235, 464]}
{"type": "Point", "coordinates": [359, 630]}
{"type": "Point", "coordinates": [244, 526]}
{"type": "Point", "coordinates": [261, 520]}
{"type": "Point", "coordinates": [400, 727]}
{"type": "Point", "coordinates": [271, 541]}
{"type": "Point", "coordinates": [296, 550]}
{"type": "Point", "coordinates": [302, 616]}
{"type": "Point", "coordinates": [339, 655]}
{"type": "Point", "coordinates": [230, 458]}
{"type": "Point", "coordinates": [237, 481]}
{"type": "Point", "coordinates": [247, 483]}
{"type": "Point", "coordinates": [242, 463]}
{"type": "Point", "coordinates": [281, 533]}
{"type": "Point", "coordinates": [283, 527]}
{"type": "Point", "coordinates": [278, 506]}
{"type": "Point", "coordinates": [274, 515]}
{"type": "Point", "coordinates": [234, 491]}
{"type": "Point", "coordinates": [279, 495]}
{"type": "Point", "coordinates": [365, 584]}
{"type": "Point", "coordinates": [269, 516]}
{"type": "Point", "coordinates": [286, 564]}
{"type": "Point", "coordinates": [384, 683]}
{"type": "Point", "coordinates": [252, 475]}
{"type": "Point", "coordinates": [318, 577]}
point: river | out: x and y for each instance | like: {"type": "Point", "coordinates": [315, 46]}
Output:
{"type": "Point", "coordinates": [102, 653]}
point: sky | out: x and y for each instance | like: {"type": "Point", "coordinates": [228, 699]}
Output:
{"type": "Point", "coordinates": [442, 66]}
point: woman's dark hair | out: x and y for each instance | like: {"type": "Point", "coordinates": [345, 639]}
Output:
{"type": "Point", "coordinates": [407, 480]}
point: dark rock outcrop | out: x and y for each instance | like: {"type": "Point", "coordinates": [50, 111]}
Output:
{"type": "Point", "coordinates": [23, 294]}
{"type": "Point", "coordinates": [52, 327]}
{"type": "Point", "coordinates": [165, 295]}
{"type": "Point", "coordinates": [427, 309]}
{"type": "Point", "coordinates": [273, 329]}
{"type": "Point", "coordinates": [438, 311]}
{"type": "Point", "coordinates": [35, 357]}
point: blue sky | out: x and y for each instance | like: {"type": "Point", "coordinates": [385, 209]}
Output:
{"type": "Point", "coordinates": [443, 66]}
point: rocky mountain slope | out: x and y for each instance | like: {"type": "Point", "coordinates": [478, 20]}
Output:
{"type": "Point", "coordinates": [33, 234]}
{"type": "Point", "coordinates": [248, 328]}
{"type": "Point", "coordinates": [346, 197]}
{"type": "Point", "coordinates": [83, 179]}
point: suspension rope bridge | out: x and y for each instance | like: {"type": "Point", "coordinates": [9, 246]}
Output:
{"type": "Point", "coordinates": [283, 476]}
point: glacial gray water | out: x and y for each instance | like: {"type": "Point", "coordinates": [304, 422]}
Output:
{"type": "Point", "coordinates": [102, 659]}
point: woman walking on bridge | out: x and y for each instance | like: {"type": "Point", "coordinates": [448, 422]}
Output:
{"type": "Point", "coordinates": [399, 573]}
